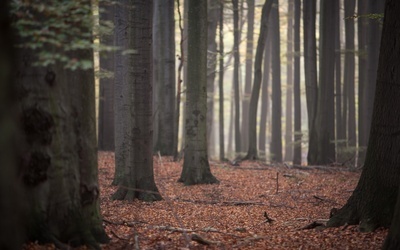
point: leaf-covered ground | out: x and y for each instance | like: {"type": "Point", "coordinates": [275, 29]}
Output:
{"type": "Point", "coordinates": [236, 213]}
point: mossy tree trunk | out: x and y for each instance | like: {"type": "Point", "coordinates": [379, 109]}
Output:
{"type": "Point", "coordinates": [135, 151]}
{"type": "Point", "coordinates": [372, 203]}
{"type": "Point", "coordinates": [196, 168]}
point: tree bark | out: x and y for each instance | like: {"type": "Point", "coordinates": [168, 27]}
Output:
{"type": "Point", "coordinates": [196, 168]}
{"type": "Point", "coordinates": [289, 85]}
{"type": "Point", "coordinates": [236, 74]}
{"type": "Point", "coordinates": [221, 83]}
{"type": "Point", "coordinates": [372, 203]}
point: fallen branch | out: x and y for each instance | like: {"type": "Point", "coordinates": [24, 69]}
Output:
{"type": "Point", "coordinates": [226, 203]}
{"type": "Point", "coordinates": [204, 241]}
{"type": "Point", "coordinates": [118, 237]}
{"type": "Point", "coordinates": [312, 225]}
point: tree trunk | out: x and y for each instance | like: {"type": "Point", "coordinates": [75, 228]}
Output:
{"type": "Point", "coordinates": [276, 139]}
{"type": "Point", "coordinates": [137, 137]}
{"type": "Point", "coordinates": [106, 99]}
{"type": "Point", "coordinates": [221, 83]}
{"type": "Point", "coordinates": [248, 72]}
{"type": "Point", "coordinates": [289, 85]}
{"type": "Point", "coordinates": [196, 169]}
{"type": "Point", "coordinates": [164, 77]}
{"type": "Point", "coordinates": [296, 85]}
{"type": "Point", "coordinates": [310, 74]}
{"type": "Point", "coordinates": [372, 203]}
{"type": "Point", "coordinates": [325, 110]}
{"type": "Point", "coordinates": [255, 94]}
{"type": "Point", "coordinates": [236, 75]}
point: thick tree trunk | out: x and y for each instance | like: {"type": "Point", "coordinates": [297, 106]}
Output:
{"type": "Point", "coordinates": [276, 138]}
{"type": "Point", "coordinates": [310, 73]}
{"type": "Point", "coordinates": [372, 203]}
{"type": "Point", "coordinates": [236, 40]}
{"type": "Point", "coordinates": [325, 111]}
{"type": "Point", "coordinates": [196, 168]}
{"type": "Point", "coordinates": [106, 100]}
{"type": "Point", "coordinates": [164, 77]}
{"type": "Point", "coordinates": [255, 94]}
{"type": "Point", "coordinates": [137, 136]}
{"type": "Point", "coordinates": [296, 85]}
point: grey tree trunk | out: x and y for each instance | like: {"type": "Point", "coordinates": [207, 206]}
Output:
{"type": "Point", "coordinates": [106, 139]}
{"type": "Point", "coordinates": [289, 85]}
{"type": "Point", "coordinates": [12, 224]}
{"type": "Point", "coordinates": [221, 83]}
{"type": "Point", "coordinates": [252, 152]}
{"type": "Point", "coordinates": [372, 203]}
{"type": "Point", "coordinates": [349, 72]}
{"type": "Point", "coordinates": [135, 151]}
{"type": "Point", "coordinates": [213, 13]}
{"type": "Point", "coordinates": [196, 168]}
{"type": "Point", "coordinates": [265, 99]}
{"type": "Point", "coordinates": [310, 74]}
{"type": "Point", "coordinates": [164, 77]}
{"type": "Point", "coordinates": [236, 41]}
{"type": "Point", "coordinates": [325, 111]}
{"type": "Point", "coordinates": [296, 85]}
{"type": "Point", "coordinates": [248, 74]}
{"type": "Point", "coordinates": [276, 138]}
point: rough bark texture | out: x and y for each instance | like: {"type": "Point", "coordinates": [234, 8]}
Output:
{"type": "Point", "coordinates": [106, 100]}
{"type": "Point", "coordinates": [310, 73]}
{"type": "Point", "coordinates": [221, 83]}
{"type": "Point", "coordinates": [325, 110]}
{"type": "Point", "coordinates": [164, 77]}
{"type": "Point", "coordinates": [252, 153]}
{"type": "Point", "coordinates": [372, 203]}
{"type": "Point", "coordinates": [289, 85]}
{"type": "Point", "coordinates": [276, 138]}
{"type": "Point", "coordinates": [137, 134]}
{"type": "Point", "coordinates": [296, 85]}
{"type": "Point", "coordinates": [236, 74]}
{"type": "Point", "coordinates": [248, 74]}
{"type": "Point", "coordinates": [196, 168]}
{"type": "Point", "coordinates": [11, 202]}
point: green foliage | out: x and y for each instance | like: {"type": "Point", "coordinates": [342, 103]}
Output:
{"type": "Point", "coordinates": [55, 29]}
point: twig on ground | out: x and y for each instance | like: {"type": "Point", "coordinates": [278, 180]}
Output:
{"type": "Point", "coordinates": [267, 219]}
{"type": "Point", "coordinates": [204, 241]}
{"type": "Point", "coordinates": [118, 237]}
{"type": "Point", "coordinates": [226, 203]}
{"type": "Point", "coordinates": [312, 225]}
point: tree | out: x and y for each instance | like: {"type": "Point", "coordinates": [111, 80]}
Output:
{"type": "Point", "coordinates": [57, 159]}
{"type": "Point", "coordinates": [248, 73]}
{"type": "Point", "coordinates": [196, 168]}
{"type": "Point", "coordinates": [164, 75]}
{"type": "Point", "coordinates": [236, 40]}
{"type": "Point", "coordinates": [372, 203]}
{"type": "Point", "coordinates": [255, 94]}
{"type": "Point", "coordinates": [135, 150]}
{"type": "Point", "coordinates": [310, 74]}
{"type": "Point", "coordinates": [325, 110]}
{"type": "Point", "coordinates": [221, 83]}
{"type": "Point", "coordinates": [296, 85]}
{"type": "Point", "coordinates": [276, 139]}
{"type": "Point", "coordinates": [106, 90]}
{"type": "Point", "coordinates": [289, 85]}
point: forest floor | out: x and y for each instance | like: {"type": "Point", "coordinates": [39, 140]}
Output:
{"type": "Point", "coordinates": [255, 206]}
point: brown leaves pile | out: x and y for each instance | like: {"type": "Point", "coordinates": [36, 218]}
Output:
{"type": "Point", "coordinates": [255, 206]}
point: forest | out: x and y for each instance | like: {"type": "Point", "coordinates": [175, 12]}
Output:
{"type": "Point", "coordinates": [199, 124]}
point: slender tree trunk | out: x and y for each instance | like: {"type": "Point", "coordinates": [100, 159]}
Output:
{"type": "Point", "coordinates": [310, 73]}
{"type": "Point", "coordinates": [164, 74]}
{"type": "Point", "coordinates": [372, 203]}
{"type": "Point", "coordinates": [106, 101]}
{"type": "Point", "coordinates": [296, 84]}
{"type": "Point", "coordinates": [236, 74]}
{"type": "Point", "coordinates": [196, 168]}
{"type": "Point", "coordinates": [137, 135]}
{"type": "Point", "coordinates": [248, 77]}
{"type": "Point", "coordinates": [289, 85]}
{"type": "Point", "coordinates": [265, 98]}
{"type": "Point", "coordinates": [276, 139]}
{"type": "Point", "coordinates": [325, 111]}
{"type": "Point", "coordinates": [255, 94]}
{"type": "Point", "coordinates": [221, 83]}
